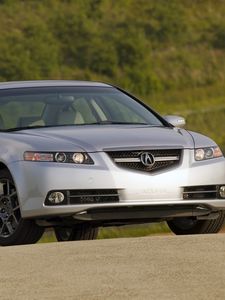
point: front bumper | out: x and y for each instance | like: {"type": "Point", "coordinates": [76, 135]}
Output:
{"type": "Point", "coordinates": [136, 189]}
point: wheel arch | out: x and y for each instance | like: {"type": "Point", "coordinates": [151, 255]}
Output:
{"type": "Point", "coordinates": [4, 167]}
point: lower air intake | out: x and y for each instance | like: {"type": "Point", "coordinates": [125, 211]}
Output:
{"type": "Point", "coordinates": [73, 197]}
{"type": "Point", "coordinates": [200, 192]}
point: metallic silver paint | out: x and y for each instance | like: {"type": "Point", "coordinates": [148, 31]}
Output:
{"type": "Point", "coordinates": [34, 180]}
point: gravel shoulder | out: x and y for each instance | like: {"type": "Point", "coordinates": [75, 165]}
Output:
{"type": "Point", "coordinates": [158, 267]}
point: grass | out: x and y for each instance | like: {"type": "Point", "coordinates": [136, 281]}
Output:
{"type": "Point", "coordinates": [119, 232]}
{"type": "Point", "coordinates": [188, 101]}
{"type": "Point", "coordinates": [203, 108]}
{"type": "Point", "coordinates": [123, 232]}
{"type": "Point", "coordinates": [133, 231]}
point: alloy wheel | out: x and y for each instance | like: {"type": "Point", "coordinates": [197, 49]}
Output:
{"type": "Point", "coordinates": [10, 215]}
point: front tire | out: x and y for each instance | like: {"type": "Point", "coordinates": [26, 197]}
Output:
{"type": "Point", "coordinates": [76, 233]}
{"type": "Point", "coordinates": [181, 226]}
{"type": "Point", "coordinates": [14, 230]}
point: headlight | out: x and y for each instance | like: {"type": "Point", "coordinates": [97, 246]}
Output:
{"type": "Point", "coordinates": [207, 153]}
{"type": "Point", "coordinates": [59, 157]}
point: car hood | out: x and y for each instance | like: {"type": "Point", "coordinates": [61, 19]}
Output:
{"type": "Point", "coordinates": [104, 137]}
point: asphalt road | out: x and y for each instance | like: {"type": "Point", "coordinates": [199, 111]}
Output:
{"type": "Point", "coordinates": [161, 267]}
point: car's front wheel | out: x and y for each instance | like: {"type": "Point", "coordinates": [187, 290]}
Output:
{"type": "Point", "coordinates": [76, 233]}
{"type": "Point", "coordinates": [192, 226]}
{"type": "Point", "coordinates": [14, 230]}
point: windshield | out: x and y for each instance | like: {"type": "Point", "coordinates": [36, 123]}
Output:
{"type": "Point", "coordinates": [60, 106]}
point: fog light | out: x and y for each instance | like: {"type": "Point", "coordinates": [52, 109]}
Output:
{"type": "Point", "coordinates": [222, 191]}
{"type": "Point", "coordinates": [56, 197]}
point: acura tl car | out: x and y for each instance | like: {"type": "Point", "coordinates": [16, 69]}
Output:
{"type": "Point", "coordinates": [76, 156]}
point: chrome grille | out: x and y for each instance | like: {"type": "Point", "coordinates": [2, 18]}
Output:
{"type": "Point", "coordinates": [163, 159]}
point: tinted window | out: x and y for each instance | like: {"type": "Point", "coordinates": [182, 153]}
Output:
{"type": "Point", "coordinates": [56, 106]}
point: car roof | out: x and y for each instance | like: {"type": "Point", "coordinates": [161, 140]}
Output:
{"type": "Point", "coordinates": [50, 83]}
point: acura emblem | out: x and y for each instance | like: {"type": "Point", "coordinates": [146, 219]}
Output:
{"type": "Point", "coordinates": [147, 159]}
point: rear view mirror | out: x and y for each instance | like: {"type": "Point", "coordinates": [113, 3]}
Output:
{"type": "Point", "coordinates": [175, 120]}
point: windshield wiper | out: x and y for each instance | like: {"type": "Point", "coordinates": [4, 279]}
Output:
{"type": "Point", "coordinates": [59, 125]}
{"type": "Point", "coordinates": [114, 123]}
{"type": "Point", "coordinates": [25, 128]}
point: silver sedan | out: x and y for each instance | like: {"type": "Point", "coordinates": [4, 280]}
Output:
{"type": "Point", "coordinates": [79, 155]}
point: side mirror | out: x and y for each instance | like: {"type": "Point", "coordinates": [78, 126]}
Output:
{"type": "Point", "coordinates": [175, 120]}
